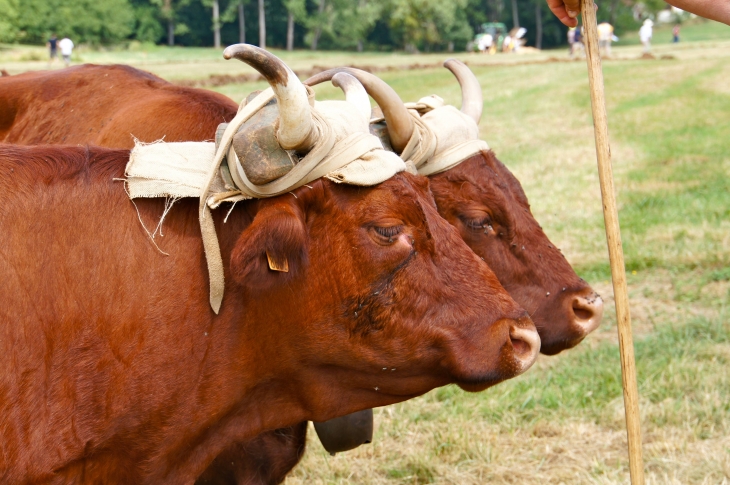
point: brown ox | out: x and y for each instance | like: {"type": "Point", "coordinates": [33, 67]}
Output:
{"type": "Point", "coordinates": [106, 106]}
{"type": "Point", "coordinates": [490, 188]}
{"type": "Point", "coordinates": [117, 371]}
{"type": "Point", "coordinates": [486, 203]}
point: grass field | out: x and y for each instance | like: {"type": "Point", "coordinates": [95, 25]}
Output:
{"type": "Point", "coordinates": [562, 422]}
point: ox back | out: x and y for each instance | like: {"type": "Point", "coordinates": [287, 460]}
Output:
{"type": "Point", "coordinates": [107, 106]}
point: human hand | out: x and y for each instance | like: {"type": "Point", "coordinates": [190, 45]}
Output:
{"type": "Point", "coordinates": [565, 10]}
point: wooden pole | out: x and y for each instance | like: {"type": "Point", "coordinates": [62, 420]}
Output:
{"type": "Point", "coordinates": [613, 237]}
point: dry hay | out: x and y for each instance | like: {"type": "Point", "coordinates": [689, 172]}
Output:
{"type": "Point", "coordinates": [478, 452]}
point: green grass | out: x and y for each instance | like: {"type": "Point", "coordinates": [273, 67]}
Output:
{"type": "Point", "coordinates": [669, 122]}
{"type": "Point", "coordinates": [692, 31]}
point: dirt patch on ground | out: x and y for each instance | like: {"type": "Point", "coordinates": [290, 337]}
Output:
{"type": "Point", "coordinates": [215, 80]}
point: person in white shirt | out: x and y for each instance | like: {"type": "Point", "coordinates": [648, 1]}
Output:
{"type": "Point", "coordinates": [67, 46]}
{"type": "Point", "coordinates": [605, 36]}
{"type": "Point", "coordinates": [645, 33]}
{"type": "Point", "coordinates": [485, 43]}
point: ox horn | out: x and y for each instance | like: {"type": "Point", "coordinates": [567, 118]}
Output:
{"type": "Point", "coordinates": [296, 129]}
{"type": "Point", "coordinates": [471, 92]}
{"type": "Point", "coordinates": [354, 92]}
{"type": "Point", "coordinates": [400, 124]}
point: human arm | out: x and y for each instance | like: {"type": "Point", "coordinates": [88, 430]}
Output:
{"type": "Point", "coordinates": [710, 9]}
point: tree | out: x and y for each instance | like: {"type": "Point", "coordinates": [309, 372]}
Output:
{"type": "Point", "coordinates": [429, 24]}
{"type": "Point", "coordinates": [90, 21]}
{"type": "Point", "coordinates": [8, 20]}
{"type": "Point", "coordinates": [235, 9]}
{"type": "Point", "coordinates": [538, 23]}
{"type": "Point", "coordinates": [241, 23]}
{"type": "Point", "coordinates": [262, 25]}
{"type": "Point", "coordinates": [168, 10]}
{"type": "Point", "coordinates": [216, 21]}
{"type": "Point", "coordinates": [355, 20]}
{"type": "Point", "coordinates": [216, 25]}
{"type": "Point", "coordinates": [296, 10]}
{"type": "Point", "coordinates": [318, 22]}
{"type": "Point", "coordinates": [147, 25]}
{"type": "Point", "coordinates": [515, 17]}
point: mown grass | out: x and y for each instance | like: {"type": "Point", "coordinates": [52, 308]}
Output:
{"type": "Point", "coordinates": [562, 422]}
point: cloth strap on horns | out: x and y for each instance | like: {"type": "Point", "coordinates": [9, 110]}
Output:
{"type": "Point", "coordinates": [357, 159]}
{"type": "Point", "coordinates": [431, 152]}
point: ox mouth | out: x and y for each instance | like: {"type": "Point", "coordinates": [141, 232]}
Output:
{"type": "Point", "coordinates": [555, 348]}
{"type": "Point", "coordinates": [563, 324]}
{"type": "Point", "coordinates": [518, 354]}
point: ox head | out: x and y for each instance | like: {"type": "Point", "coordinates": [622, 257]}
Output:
{"type": "Point", "coordinates": [486, 204]}
{"type": "Point", "coordinates": [381, 299]}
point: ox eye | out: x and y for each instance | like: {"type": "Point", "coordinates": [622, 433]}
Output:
{"type": "Point", "coordinates": [480, 224]}
{"type": "Point", "coordinates": [388, 232]}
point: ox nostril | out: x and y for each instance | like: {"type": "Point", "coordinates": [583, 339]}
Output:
{"type": "Point", "coordinates": [526, 346]}
{"type": "Point", "coordinates": [588, 312]}
{"type": "Point", "coordinates": [521, 347]}
{"type": "Point", "coordinates": [582, 313]}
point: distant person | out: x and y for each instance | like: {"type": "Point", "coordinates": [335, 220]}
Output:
{"type": "Point", "coordinates": [567, 10]}
{"type": "Point", "coordinates": [67, 46]}
{"type": "Point", "coordinates": [645, 33]}
{"type": "Point", "coordinates": [571, 40]}
{"type": "Point", "coordinates": [605, 36]}
{"type": "Point", "coordinates": [507, 43]}
{"type": "Point", "coordinates": [52, 45]}
{"type": "Point", "coordinates": [578, 42]}
{"type": "Point", "coordinates": [675, 33]}
{"type": "Point", "coordinates": [485, 43]}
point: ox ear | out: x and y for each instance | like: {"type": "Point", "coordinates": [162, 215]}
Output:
{"type": "Point", "coordinates": [273, 248]}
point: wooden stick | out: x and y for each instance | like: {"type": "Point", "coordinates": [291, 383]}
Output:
{"type": "Point", "coordinates": [613, 237]}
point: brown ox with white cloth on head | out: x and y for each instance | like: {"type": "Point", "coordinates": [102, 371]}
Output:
{"type": "Point", "coordinates": [486, 203]}
{"type": "Point", "coordinates": [117, 370]}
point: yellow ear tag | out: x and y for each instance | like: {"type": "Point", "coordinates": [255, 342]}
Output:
{"type": "Point", "coordinates": [274, 265]}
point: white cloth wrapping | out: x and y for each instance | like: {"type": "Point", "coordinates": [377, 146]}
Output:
{"type": "Point", "coordinates": [443, 136]}
{"type": "Point", "coordinates": [170, 169]}
{"type": "Point", "coordinates": [344, 153]}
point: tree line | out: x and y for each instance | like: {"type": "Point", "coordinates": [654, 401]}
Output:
{"type": "Point", "coordinates": [411, 25]}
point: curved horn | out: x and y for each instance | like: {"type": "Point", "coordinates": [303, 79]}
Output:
{"type": "Point", "coordinates": [471, 91]}
{"type": "Point", "coordinates": [354, 92]}
{"type": "Point", "coordinates": [400, 124]}
{"type": "Point", "coordinates": [296, 130]}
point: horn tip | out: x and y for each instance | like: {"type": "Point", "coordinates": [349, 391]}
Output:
{"type": "Point", "coordinates": [339, 77]}
{"type": "Point", "coordinates": [453, 60]}
{"type": "Point", "coordinates": [234, 49]}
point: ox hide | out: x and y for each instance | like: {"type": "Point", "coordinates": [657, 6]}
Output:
{"type": "Point", "coordinates": [107, 106]}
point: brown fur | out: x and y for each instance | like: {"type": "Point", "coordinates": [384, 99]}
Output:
{"type": "Point", "coordinates": [117, 370]}
{"type": "Point", "coordinates": [528, 265]}
{"type": "Point", "coordinates": [106, 106]}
